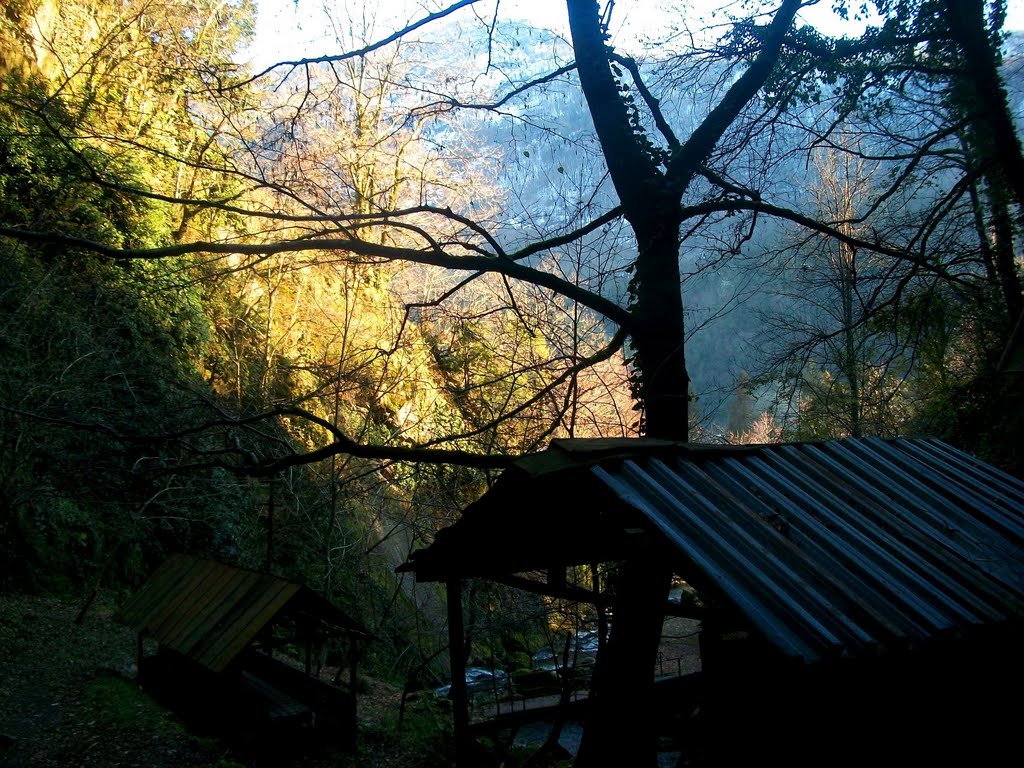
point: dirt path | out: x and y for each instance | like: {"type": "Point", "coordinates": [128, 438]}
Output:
{"type": "Point", "coordinates": [67, 698]}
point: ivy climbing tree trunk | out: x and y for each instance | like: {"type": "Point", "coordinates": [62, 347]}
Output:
{"type": "Point", "coordinates": [651, 204]}
{"type": "Point", "coordinates": [650, 187]}
{"type": "Point", "coordinates": [969, 30]}
{"type": "Point", "coordinates": [994, 138]}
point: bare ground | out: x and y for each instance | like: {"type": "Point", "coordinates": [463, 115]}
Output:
{"type": "Point", "coordinates": [68, 700]}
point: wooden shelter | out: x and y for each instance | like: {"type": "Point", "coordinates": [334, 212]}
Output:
{"type": "Point", "coordinates": [863, 599]}
{"type": "Point", "coordinates": [219, 632]}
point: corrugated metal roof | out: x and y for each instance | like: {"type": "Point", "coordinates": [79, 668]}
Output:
{"type": "Point", "coordinates": [839, 548]}
{"type": "Point", "coordinates": [210, 612]}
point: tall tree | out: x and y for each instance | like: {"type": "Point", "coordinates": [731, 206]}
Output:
{"type": "Point", "coordinates": [916, 103]}
{"type": "Point", "coordinates": [650, 187]}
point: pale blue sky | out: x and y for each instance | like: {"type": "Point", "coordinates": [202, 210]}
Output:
{"type": "Point", "coordinates": [288, 30]}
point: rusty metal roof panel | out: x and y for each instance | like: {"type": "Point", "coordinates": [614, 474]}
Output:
{"type": "Point", "coordinates": [880, 566]}
{"type": "Point", "coordinates": [134, 612]}
{"type": "Point", "coordinates": [844, 547]}
{"type": "Point", "coordinates": [913, 534]}
{"type": "Point", "coordinates": [210, 612]}
{"type": "Point", "coordinates": [837, 551]}
{"type": "Point", "coordinates": [232, 634]}
{"type": "Point", "coordinates": [991, 494]}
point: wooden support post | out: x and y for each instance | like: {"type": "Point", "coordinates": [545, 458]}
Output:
{"type": "Point", "coordinates": [309, 652]}
{"type": "Point", "coordinates": [140, 651]}
{"type": "Point", "coordinates": [556, 577]}
{"type": "Point", "coordinates": [457, 654]}
{"type": "Point", "coordinates": [353, 661]}
{"type": "Point", "coordinates": [602, 610]}
{"type": "Point", "coordinates": [270, 526]}
{"type": "Point", "coordinates": [620, 726]}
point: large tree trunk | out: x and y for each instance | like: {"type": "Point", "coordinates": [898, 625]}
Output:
{"type": "Point", "coordinates": [1003, 259]}
{"type": "Point", "coordinates": [620, 730]}
{"type": "Point", "coordinates": [994, 138]}
{"type": "Point", "coordinates": [994, 119]}
{"type": "Point", "coordinates": [658, 331]}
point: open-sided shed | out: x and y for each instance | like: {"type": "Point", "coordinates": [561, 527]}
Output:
{"type": "Point", "coordinates": [859, 595]}
{"type": "Point", "coordinates": [216, 627]}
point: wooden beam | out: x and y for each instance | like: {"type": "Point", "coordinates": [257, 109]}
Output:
{"type": "Point", "coordinates": [457, 654]}
{"type": "Point", "coordinates": [576, 594]}
{"type": "Point", "coordinates": [140, 652]}
{"type": "Point", "coordinates": [579, 595]}
{"type": "Point", "coordinates": [556, 577]}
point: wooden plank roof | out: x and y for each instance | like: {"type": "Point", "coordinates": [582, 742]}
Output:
{"type": "Point", "coordinates": [832, 549]}
{"type": "Point", "coordinates": [209, 611]}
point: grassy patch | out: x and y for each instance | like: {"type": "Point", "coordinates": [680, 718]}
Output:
{"type": "Point", "coordinates": [120, 703]}
{"type": "Point", "coordinates": [118, 706]}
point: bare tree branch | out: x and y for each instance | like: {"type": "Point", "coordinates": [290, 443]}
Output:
{"type": "Point", "coordinates": [357, 53]}
{"type": "Point", "coordinates": [509, 267]}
